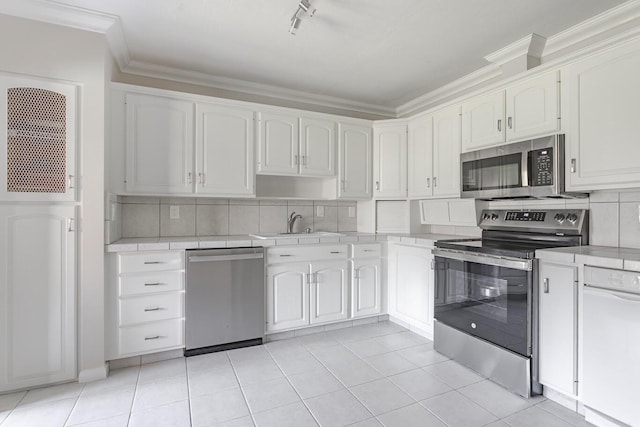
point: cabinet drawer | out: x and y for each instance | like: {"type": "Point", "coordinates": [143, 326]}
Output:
{"type": "Point", "coordinates": [141, 284]}
{"type": "Point", "coordinates": [142, 262]}
{"type": "Point", "coordinates": [306, 253]}
{"type": "Point", "coordinates": [373, 250]}
{"type": "Point", "coordinates": [151, 308]}
{"type": "Point", "coordinates": [151, 337]}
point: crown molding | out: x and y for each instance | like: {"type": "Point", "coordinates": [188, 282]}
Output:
{"type": "Point", "coordinates": [531, 45]}
{"type": "Point", "coordinates": [258, 89]}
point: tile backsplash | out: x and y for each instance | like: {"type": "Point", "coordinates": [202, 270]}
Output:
{"type": "Point", "coordinates": [170, 217]}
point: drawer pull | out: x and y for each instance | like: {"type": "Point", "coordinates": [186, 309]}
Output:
{"type": "Point", "coordinates": [153, 284]}
{"type": "Point", "coordinates": [286, 255]}
{"type": "Point", "coordinates": [370, 250]}
{"type": "Point", "coordinates": [153, 262]}
{"type": "Point", "coordinates": [153, 309]}
{"type": "Point", "coordinates": [156, 337]}
{"type": "Point", "coordinates": [335, 252]}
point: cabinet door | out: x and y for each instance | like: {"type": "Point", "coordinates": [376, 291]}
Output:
{"type": "Point", "coordinates": [159, 145]}
{"type": "Point", "coordinates": [483, 122]}
{"type": "Point", "coordinates": [603, 120]}
{"type": "Point", "coordinates": [37, 295]}
{"type": "Point", "coordinates": [365, 287]}
{"type": "Point", "coordinates": [224, 159]}
{"type": "Point", "coordinates": [317, 147]}
{"type": "Point", "coordinates": [411, 286]}
{"type": "Point", "coordinates": [390, 160]}
{"type": "Point", "coordinates": [558, 327]}
{"type": "Point", "coordinates": [278, 144]}
{"type": "Point", "coordinates": [287, 296]}
{"type": "Point", "coordinates": [420, 157]}
{"type": "Point", "coordinates": [354, 180]}
{"type": "Point", "coordinates": [446, 152]}
{"type": "Point", "coordinates": [37, 147]}
{"type": "Point", "coordinates": [533, 107]}
{"type": "Point", "coordinates": [329, 291]}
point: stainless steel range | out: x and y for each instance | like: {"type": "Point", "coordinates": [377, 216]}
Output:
{"type": "Point", "coordinates": [486, 306]}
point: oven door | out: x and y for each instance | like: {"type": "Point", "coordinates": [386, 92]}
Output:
{"type": "Point", "coordinates": [487, 297]}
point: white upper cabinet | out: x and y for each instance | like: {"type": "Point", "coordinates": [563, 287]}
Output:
{"type": "Point", "coordinates": [278, 144]}
{"type": "Point", "coordinates": [446, 152]}
{"type": "Point", "coordinates": [38, 145]}
{"type": "Point", "coordinates": [390, 160]}
{"type": "Point", "coordinates": [37, 295]}
{"type": "Point", "coordinates": [289, 145]}
{"type": "Point", "coordinates": [354, 152]}
{"type": "Point", "coordinates": [524, 110]}
{"type": "Point", "coordinates": [533, 107]}
{"type": "Point", "coordinates": [420, 158]}
{"type": "Point", "coordinates": [604, 124]}
{"type": "Point", "coordinates": [224, 150]}
{"type": "Point", "coordinates": [483, 122]}
{"type": "Point", "coordinates": [317, 147]}
{"type": "Point", "coordinates": [159, 145]}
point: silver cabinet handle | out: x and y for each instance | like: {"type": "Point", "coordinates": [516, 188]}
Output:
{"type": "Point", "coordinates": [189, 178]}
{"type": "Point", "coordinates": [499, 125]}
{"type": "Point", "coordinates": [335, 252]}
{"type": "Point", "coordinates": [370, 250]}
{"type": "Point", "coordinates": [573, 165]}
{"type": "Point", "coordinates": [153, 309]}
{"type": "Point", "coordinates": [510, 122]}
{"type": "Point", "coordinates": [71, 224]}
{"type": "Point", "coordinates": [201, 178]}
{"type": "Point", "coordinates": [297, 160]}
{"type": "Point", "coordinates": [155, 337]}
{"type": "Point", "coordinates": [70, 180]}
{"type": "Point", "coordinates": [428, 182]}
{"type": "Point", "coordinates": [546, 285]}
{"type": "Point", "coordinates": [285, 255]}
{"type": "Point", "coordinates": [153, 262]}
{"type": "Point", "coordinates": [377, 185]}
{"type": "Point", "coordinates": [435, 182]}
{"type": "Point", "coordinates": [304, 160]}
{"type": "Point", "coordinates": [153, 284]}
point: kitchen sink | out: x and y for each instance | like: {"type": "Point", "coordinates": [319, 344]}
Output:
{"type": "Point", "coordinates": [295, 235]}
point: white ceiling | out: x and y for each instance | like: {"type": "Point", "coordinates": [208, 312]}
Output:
{"type": "Point", "coordinates": [383, 53]}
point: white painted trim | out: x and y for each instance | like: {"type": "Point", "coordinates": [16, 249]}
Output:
{"type": "Point", "coordinates": [93, 374]}
{"type": "Point", "coordinates": [531, 45]}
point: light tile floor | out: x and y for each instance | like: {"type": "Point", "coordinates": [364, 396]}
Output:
{"type": "Point", "coordinates": [371, 375]}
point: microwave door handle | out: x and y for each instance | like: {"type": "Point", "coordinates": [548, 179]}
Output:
{"type": "Point", "coordinates": [525, 168]}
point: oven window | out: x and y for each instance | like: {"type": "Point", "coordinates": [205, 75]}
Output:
{"type": "Point", "coordinates": [494, 173]}
{"type": "Point", "coordinates": [486, 301]}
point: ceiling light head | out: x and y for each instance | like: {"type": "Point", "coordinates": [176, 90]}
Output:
{"type": "Point", "coordinates": [306, 6]}
{"type": "Point", "coordinates": [295, 24]}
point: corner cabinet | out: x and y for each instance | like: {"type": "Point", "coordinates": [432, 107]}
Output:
{"type": "Point", "coordinates": [558, 327]}
{"type": "Point", "coordinates": [37, 295]}
{"type": "Point", "coordinates": [354, 161]}
{"type": "Point", "coordinates": [602, 139]}
{"type": "Point", "coordinates": [390, 160]}
{"type": "Point", "coordinates": [38, 147]}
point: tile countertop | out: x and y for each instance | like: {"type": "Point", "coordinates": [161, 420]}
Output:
{"type": "Point", "coordinates": [598, 256]}
{"type": "Point", "coordinates": [210, 242]}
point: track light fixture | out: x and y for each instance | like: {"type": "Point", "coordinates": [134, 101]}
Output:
{"type": "Point", "coordinates": [303, 7]}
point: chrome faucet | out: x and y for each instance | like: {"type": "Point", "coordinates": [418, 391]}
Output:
{"type": "Point", "coordinates": [292, 220]}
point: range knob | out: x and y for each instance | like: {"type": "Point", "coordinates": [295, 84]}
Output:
{"type": "Point", "coordinates": [559, 217]}
{"type": "Point", "coordinates": [486, 217]}
{"type": "Point", "coordinates": [494, 216]}
{"type": "Point", "coordinates": [572, 218]}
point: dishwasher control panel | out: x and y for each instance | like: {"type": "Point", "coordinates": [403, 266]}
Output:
{"type": "Point", "coordinates": [616, 280]}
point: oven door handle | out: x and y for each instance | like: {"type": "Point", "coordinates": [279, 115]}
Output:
{"type": "Point", "coordinates": [507, 262]}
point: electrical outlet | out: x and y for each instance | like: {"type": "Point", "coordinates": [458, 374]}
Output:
{"type": "Point", "coordinates": [319, 211]}
{"type": "Point", "coordinates": [174, 212]}
{"type": "Point", "coordinates": [352, 212]}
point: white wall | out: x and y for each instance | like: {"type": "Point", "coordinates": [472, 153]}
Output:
{"type": "Point", "coordinates": [44, 50]}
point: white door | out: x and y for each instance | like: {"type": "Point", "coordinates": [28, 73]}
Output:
{"type": "Point", "coordinates": [390, 160]}
{"type": "Point", "coordinates": [329, 291]}
{"type": "Point", "coordinates": [411, 286]}
{"type": "Point", "coordinates": [224, 153]}
{"type": "Point", "coordinates": [278, 144]}
{"type": "Point", "coordinates": [365, 287]}
{"type": "Point", "coordinates": [317, 147]}
{"type": "Point", "coordinates": [558, 327]}
{"type": "Point", "coordinates": [446, 152]}
{"type": "Point", "coordinates": [533, 107]}
{"type": "Point", "coordinates": [420, 158]}
{"type": "Point", "coordinates": [602, 141]}
{"type": "Point", "coordinates": [354, 180]}
{"type": "Point", "coordinates": [483, 122]}
{"type": "Point", "coordinates": [37, 295]}
{"type": "Point", "coordinates": [159, 145]}
{"type": "Point", "coordinates": [38, 145]}
{"type": "Point", "coordinates": [287, 296]}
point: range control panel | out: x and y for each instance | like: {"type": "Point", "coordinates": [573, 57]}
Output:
{"type": "Point", "coordinates": [525, 216]}
{"type": "Point", "coordinates": [552, 219]}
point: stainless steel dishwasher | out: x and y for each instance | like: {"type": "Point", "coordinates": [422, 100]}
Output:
{"type": "Point", "coordinates": [225, 297]}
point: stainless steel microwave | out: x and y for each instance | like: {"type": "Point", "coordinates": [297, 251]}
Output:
{"type": "Point", "coordinates": [527, 169]}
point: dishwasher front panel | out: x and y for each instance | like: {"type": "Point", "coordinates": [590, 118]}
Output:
{"type": "Point", "coordinates": [225, 298]}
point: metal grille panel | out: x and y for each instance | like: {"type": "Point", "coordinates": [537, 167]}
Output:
{"type": "Point", "coordinates": [36, 141]}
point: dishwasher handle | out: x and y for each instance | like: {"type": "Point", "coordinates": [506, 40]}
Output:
{"type": "Point", "coordinates": [211, 258]}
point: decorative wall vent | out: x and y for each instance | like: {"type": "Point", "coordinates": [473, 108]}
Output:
{"type": "Point", "coordinates": [36, 141]}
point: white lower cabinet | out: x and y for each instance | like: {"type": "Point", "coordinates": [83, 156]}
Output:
{"type": "Point", "coordinates": [146, 297]}
{"type": "Point", "coordinates": [287, 296]}
{"type": "Point", "coordinates": [365, 287]}
{"type": "Point", "coordinates": [329, 292]}
{"type": "Point", "coordinates": [411, 286]}
{"type": "Point", "coordinates": [558, 325]}
{"type": "Point", "coordinates": [37, 295]}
